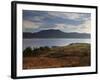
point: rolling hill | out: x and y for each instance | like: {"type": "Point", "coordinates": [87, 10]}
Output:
{"type": "Point", "coordinates": [51, 33]}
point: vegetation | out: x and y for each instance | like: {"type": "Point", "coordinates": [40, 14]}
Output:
{"type": "Point", "coordinates": [27, 52]}
{"type": "Point", "coordinates": [35, 52]}
{"type": "Point", "coordinates": [75, 54]}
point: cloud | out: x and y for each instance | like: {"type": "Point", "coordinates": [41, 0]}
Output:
{"type": "Point", "coordinates": [82, 28]}
{"type": "Point", "coordinates": [70, 15]}
{"type": "Point", "coordinates": [34, 21]}
{"type": "Point", "coordinates": [60, 26]}
{"type": "Point", "coordinates": [35, 16]}
{"type": "Point", "coordinates": [54, 17]}
{"type": "Point", "coordinates": [30, 24]}
{"type": "Point", "coordinates": [86, 27]}
{"type": "Point", "coordinates": [38, 18]}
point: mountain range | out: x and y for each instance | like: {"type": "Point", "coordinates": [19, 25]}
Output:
{"type": "Point", "coordinates": [51, 33]}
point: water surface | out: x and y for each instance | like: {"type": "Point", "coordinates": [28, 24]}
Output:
{"type": "Point", "coordinates": [33, 43]}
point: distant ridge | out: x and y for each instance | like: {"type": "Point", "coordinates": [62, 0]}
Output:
{"type": "Point", "coordinates": [51, 33]}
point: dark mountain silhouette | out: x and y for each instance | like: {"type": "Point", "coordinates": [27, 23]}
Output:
{"type": "Point", "coordinates": [51, 33]}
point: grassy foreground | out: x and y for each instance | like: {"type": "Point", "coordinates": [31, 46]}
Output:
{"type": "Point", "coordinates": [73, 55]}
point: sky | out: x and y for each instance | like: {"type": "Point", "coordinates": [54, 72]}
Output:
{"type": "Point", "coordinates": [35, 21]}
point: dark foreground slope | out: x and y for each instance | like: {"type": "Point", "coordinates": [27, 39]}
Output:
{"type": "Point", "coordinates": [73, 55]}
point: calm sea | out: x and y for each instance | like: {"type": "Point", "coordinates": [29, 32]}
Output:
{"type": "Point", "coordinates": [33, 43]}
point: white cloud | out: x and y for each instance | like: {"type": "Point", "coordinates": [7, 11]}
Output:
{"type": "Point", "coordinates": [30, 24]}
{"type": "Point", "coordinates": [82, 28]}
{"type": "Point", "coordinates": [56, 26]}
{"type": "Point", "coordinates": [59, 26]}
{"type": "Point", "coordinates": [68, 15]}
{"type": "Point", "coordinates": [38, 18]}
{"type": "Point", "coordinates": [86, 27]}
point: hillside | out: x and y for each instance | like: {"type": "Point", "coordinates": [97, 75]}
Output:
{"type": "Point", "coordinates": [73, 55]}
{"type": "Point", "coordinates": [51, 33]}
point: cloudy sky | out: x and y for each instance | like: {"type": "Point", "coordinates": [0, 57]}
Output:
{"type": "Point", "coordinates": [34, 21]}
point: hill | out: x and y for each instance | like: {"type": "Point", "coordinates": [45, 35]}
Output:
{"type": "Point", "coordinates": [51, 33]}
{"type": "Point", "coordinates": [73, 55]}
